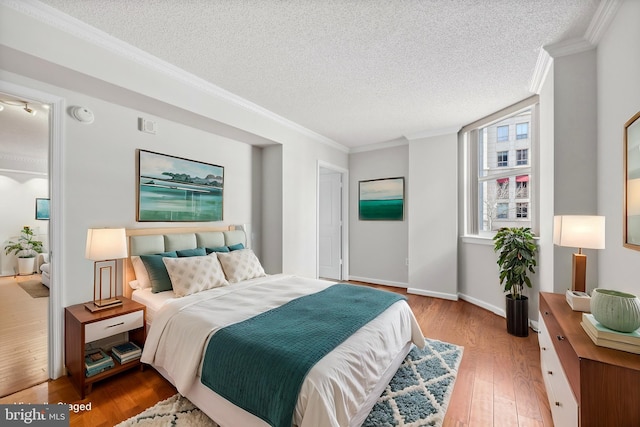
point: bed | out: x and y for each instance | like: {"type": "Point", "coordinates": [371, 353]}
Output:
{"type": "Point", "coordinates": [341, 387]}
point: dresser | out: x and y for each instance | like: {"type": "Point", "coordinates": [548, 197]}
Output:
{"type": "Point", "coordinates": [587, 385]}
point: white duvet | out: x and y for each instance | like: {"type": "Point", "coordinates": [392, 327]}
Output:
{"type": "Point", "coordinates": [335, 388]}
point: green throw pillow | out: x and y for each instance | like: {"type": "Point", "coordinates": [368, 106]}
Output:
{"type": "Point", "coordinates": [191, 252]}
{"type": "Point", "coordinates": [158, 275]}
{"type": "Point", "coordinates": [236, 247]}
{"type": "Point", "coordinates": [218, 249]}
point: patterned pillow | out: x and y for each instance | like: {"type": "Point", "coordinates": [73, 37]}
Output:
{"type": "Point", "coordinates": [240, 265]}
{"type": "Point", "coordinates": [194, 274]}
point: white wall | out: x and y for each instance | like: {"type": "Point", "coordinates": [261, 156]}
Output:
{"type": "Point", "coordinates": [575, 155]}
{"type": "Point", "coordinates": [433, 224]}
{"type": "Point", "coordinates": [618, 100]}
{"type": "Point", "coordinates": [379, 249]}
{"type": "Point", "coordinates": [19, 191]}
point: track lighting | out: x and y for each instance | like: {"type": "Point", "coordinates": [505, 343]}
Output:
{"type": "Point", "coordinates": [29, 110]}
{"type": "Point", "coordinates": [16, 103]}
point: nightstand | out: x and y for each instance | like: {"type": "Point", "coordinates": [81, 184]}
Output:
{"type": "Point", "coordinates": [83, 327]}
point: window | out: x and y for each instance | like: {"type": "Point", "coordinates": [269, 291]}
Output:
{"type": "Point", "coordinates": [522, 157]}
{"type": "Point", "coordinates": [522, 187]}
{"type": "Point", "coordinates": [522, 210]}
{"type": "Point", "coordinates": [499, 193]}
{"type": "Point", "coordinates": [502, 133]}
{"type": "Point", "coordinates": [503, 211]}
{"type": "Point", "coordinates": [502, 190]}
{"type": "Point", "coordinates": [503, 159]}
{"type": "Point", "coordinates": [522, 130]}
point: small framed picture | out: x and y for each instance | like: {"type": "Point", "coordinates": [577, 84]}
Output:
{"type": "Point", "coordinates": [42, 209]}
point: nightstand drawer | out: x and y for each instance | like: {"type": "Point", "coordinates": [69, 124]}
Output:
{"type": "Point", "coordinates": [114, 325]}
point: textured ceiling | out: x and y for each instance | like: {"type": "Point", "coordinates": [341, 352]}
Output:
{"type": "Point", "coordinates": [357, 71]}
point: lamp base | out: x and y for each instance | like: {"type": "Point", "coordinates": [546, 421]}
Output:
{"type": "Point", "coordinates": [103, 304]}
{"type": "Point", "coordinates": [578, 282]}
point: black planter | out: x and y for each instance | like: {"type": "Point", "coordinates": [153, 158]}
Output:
{"type": "Point", "coordinates": [517, 316]}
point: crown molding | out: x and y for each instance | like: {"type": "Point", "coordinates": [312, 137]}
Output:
{"type": "Point", "coordinates": [543, 65]}
{"type": "Point", "coordinates": [433, 132]}
{"type": "Point", "coordinates": [601, 19]}
{"type": "Point", "coordinates": [406, 139]}
{"type": "Point", "coordinates": [597, 27]}
{"type": "Point", "coordinates": [380, 145]}
{"type": "Point", "coordinates": [87, 33]}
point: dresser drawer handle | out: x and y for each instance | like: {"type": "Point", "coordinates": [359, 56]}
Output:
{"type": "Point", "coordinates": [560, 337]}
{"type": "Point", "coordinates": [550, 372]}
{"type": "Point", "coordinates": [117, 324]}
{"type": "Point", "coordinates": [544, 348]}
{"type": "Point", "coordinates": [546, 313]}
{"type": "Point", "coordinates": [558, 404]}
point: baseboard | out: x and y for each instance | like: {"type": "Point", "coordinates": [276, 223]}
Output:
{"type": "Point", "coordinates": [492, 308]}
{"type": "Point", "coordinates": [427, 293]}
{"type": "Point", "coordinates": [379, 282]}
{"type": "Point", "coordinates": [480, 303]}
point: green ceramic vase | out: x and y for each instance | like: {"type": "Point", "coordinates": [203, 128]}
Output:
{"type": "Point", "coordinates": [616, 310]}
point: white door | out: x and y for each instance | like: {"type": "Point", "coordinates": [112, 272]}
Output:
{"type": "Point", "coordinates": [330, 225]}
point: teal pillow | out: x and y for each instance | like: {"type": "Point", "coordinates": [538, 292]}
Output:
{"type": "Point", "coordinates": [191, 252]}
{"type": "Point", "coordinates": [218, 249]}
{"type": "Point", "coordinates": [158, 275]}
{"type": "Point", "coordinates": [236, 247]}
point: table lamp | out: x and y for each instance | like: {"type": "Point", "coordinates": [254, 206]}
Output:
{"type": "Point", "coordinates": [105, 246]}
{"type": "Point", "coordinates": [579, 231]}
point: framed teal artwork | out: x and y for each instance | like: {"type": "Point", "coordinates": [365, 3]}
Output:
{"type": "Point", "coordinates": [381, 199]}
{"type": "Point", "coordinates": [174, 189]}
{"type": "Point", "coordinates": [42, 209]}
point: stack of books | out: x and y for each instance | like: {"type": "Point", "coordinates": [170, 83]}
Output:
{"type": "Point", "coordinates": [605, 337]}
{"type": "Point", "coordinates": [97, 361]}
{"type": "Point", "coordinates": [126, 352]}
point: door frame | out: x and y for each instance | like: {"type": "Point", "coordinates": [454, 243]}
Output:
{"type": "Point", "coordinates": [56, 290]}
{"type": "Point", "coordinates": [345, 217]}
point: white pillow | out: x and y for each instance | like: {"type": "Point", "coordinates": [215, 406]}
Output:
{"type": "Point", "coordinates": [240, 265]}
{"type": "Point", "coordinates": [142, 276]}
{"type": "Point", "coordinates": [194, 274]}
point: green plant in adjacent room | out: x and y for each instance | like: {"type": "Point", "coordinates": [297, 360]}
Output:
{"type": "Point", "coordinates": [26, 246]}
{"type": "Point", "coordinates": [516, 249]}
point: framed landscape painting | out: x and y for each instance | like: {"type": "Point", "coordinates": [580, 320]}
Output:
{"type": "Point", "coordinates": [381, 199]}
{"type": "Point", "coordinates": [173, 189]}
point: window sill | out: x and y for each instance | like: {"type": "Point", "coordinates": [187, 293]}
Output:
{"type": "Point", "coordinates": [478, 240]}
{"type": "Point", "coordinates": [486, 240]}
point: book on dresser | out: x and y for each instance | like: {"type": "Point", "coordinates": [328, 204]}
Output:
{"type": "Point", "coordinates": [126, 352]}
{"type": "Point", "coordinates": [605, 337]}
{"type": "Point", "coordinates": [97, 361]}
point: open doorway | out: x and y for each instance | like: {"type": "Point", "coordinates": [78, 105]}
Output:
{"type": "Point", "coordinates": [24, 233]}
{"type": "Point", "coordinates": [332, 222]}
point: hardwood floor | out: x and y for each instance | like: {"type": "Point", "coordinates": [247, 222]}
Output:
{"type": "Point", "coordinates": [23, 336]}
{"type": "Point", "coordinates": [499, 382]}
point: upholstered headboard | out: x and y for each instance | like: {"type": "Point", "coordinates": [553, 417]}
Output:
{"type": "Point", "coordinates": [143, 241]}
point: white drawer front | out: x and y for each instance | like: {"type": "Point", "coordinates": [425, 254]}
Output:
{"type": "Point", "coordinates": [564, 407]}
{"type": "Point", "coordinates": [115, 325]}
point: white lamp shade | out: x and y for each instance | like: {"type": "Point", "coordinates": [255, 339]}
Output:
{"type": "Point", "coordinates": [106, 243]}
{"type": "Point", "coordinates": [579, 231]}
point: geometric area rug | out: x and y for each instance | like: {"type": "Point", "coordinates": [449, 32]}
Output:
{"type": "Point", "coordinates": [417, 395]}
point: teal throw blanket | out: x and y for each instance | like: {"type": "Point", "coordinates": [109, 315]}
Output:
{"type": "Point", "coordinates": [260, 364]}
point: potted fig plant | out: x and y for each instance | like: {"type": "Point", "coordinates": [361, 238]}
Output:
{"type": "Point", "coordinates": [25, 248]}
{"type": "Point", "coordinates": [516, 249]}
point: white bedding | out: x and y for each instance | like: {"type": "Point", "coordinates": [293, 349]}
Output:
{"type": "Point", "coordinates": [337, 386]}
